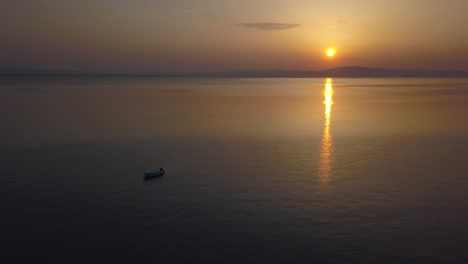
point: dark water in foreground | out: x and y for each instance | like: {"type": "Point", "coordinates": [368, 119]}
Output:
{"type": "Point", "coordinates": [257, 170]}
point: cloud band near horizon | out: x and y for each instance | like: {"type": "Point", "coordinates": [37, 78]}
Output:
{"type": "Point", "coordinates": [268, 26]}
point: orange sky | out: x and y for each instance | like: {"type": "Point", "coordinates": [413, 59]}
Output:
{"type": "Point", "coordinates": [216, 35]}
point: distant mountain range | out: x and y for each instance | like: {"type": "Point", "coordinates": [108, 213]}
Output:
{"type": "Point", "coordinates": [345, 72]}
{"type": "Point", "coordinates": [349, 72]}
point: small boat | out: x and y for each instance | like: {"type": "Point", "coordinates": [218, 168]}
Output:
{"type": "Point", "coordinates": [154, 173]}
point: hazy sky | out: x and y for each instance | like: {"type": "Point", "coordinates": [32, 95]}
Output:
{"type": "Point", "coordinates": [215, 35]}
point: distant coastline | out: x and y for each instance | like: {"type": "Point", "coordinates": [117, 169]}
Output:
{"type": "Point", "coordinates": [340, 72]}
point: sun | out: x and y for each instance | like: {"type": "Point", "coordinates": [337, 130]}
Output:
{"type": "Point", "coordinates": [330, 52]}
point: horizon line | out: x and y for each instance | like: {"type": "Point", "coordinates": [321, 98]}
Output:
{"type": "Point", "coordinates": [345, 71]}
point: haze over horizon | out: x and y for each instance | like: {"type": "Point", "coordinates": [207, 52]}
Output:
{"type": "Point", "coordinates": [209, 35]}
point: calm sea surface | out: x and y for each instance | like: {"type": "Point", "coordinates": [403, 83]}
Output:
{"type": "Point", "coordinates": [257, 170]}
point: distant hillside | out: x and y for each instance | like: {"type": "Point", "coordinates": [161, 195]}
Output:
{"type": "Point", "coordinates": [345, 72]}
{"type": "Point", "coordinates": [351, 72]}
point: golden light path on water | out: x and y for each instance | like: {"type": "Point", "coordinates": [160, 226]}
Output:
{"type": "Point", "coordinates": [326, 149]}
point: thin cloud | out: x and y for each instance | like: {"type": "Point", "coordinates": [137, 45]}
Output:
{"type": "Point", "coordinates": [268, 26]}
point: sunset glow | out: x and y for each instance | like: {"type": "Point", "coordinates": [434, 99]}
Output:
{"type": "Point", "coordinates": [234, 131]}
{"type": "Point", "coordinates": [186, 36]}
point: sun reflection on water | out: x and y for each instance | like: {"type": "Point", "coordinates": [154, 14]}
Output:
{"type": "Point", "coordinates": [326, 150]}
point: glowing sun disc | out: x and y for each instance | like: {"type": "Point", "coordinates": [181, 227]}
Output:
{"type": "Point", "coordinates": [331, 52]}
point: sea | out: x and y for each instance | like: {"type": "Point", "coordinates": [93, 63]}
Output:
{"type": "Point", "coordinates": [258, 170]}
